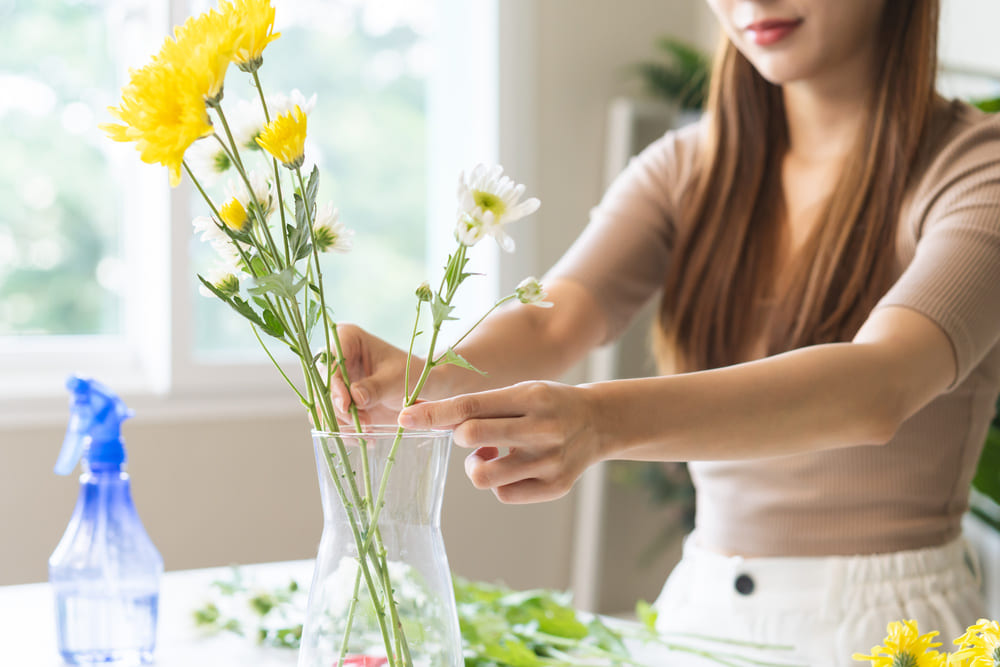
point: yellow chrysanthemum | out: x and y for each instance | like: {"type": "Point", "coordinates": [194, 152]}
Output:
{"type": "Point", "coordinates": [162, 113]}
{"type": "Point", "coordinates": [906, 647]}
{"type": "Point", "coordinates": [234, 215]}
{"type": "Point", "coordinates": [202, 49]}
{"type": "Point", "coordinates": [255, 21]}
{"type": "Point", "coordinates": [979, 646]}
{"type": "Point", "coordinates": [285, 138]}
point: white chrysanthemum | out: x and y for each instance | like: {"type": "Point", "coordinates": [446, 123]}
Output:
{"type": "Point", "coordinates": [247, 117]}
{"type": "Point", "coordinates": [488, 199]}
{"type": "Point", "coordinates": [530, 292]}
{"type": "Point", "coordinates": [260, 187]}
{"type": "Point", "coordinates": [279, 103]}
{"type": "Point", "coordinates": [212, 234]}
{"type": "Point", "coordinates": [329, 232]}
{"type": "Point", "coordinates": [207, 160]}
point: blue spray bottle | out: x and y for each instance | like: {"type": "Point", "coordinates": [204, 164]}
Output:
{"type": "Point", "coordinates": [105, 572]}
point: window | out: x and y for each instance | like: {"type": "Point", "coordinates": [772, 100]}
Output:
{"type": "Point", "coordinates": [97, 255]}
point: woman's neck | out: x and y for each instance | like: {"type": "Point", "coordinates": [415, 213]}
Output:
{"type": "Point", "coordinates": [827, 114]}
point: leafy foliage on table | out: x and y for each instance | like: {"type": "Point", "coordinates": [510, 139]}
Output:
{"type": "Point", "coordinates": [535, 628]}
{"type": "Point", "coordinates": [500, 627]}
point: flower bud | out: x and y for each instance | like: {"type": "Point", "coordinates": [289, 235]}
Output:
{"type": "Point", "coordinates": [424, 292]}
{"type": "Point", "coordinates": [227, 283]}
{"type": "Point", "coordinates": [530, 292]}
{"type": "Point", "coordinates": [235, 216]}
{"type": "Point", "coordinates": [469, 230]}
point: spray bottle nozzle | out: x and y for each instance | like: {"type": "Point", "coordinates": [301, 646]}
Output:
{"type": "Point", "coordinates": [96, 414]}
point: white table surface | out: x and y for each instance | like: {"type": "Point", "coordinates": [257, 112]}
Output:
{"type": "Point", "coordinates": [28, 637]}
{"type": "Point", "coordinates": [28, 629]}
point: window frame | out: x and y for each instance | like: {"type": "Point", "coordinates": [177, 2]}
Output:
{"type": "Point", "coordinates": [153, 362]}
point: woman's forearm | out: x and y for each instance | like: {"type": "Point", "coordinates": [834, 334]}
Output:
{"type": "Point", "coordinates": [815, 398]}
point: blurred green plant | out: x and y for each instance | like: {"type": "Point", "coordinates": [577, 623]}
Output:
{"type": "Point", "coordinates": [667, 486]}
{"type": "Point", "coordinates": [991, 105]}
{"type": "Point", "coordinates": [987, 478]}
{"type": "Point", "coordinates": [681, 77]}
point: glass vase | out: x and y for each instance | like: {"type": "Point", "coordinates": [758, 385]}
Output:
{"type": "Point", "coordinates": [350, 621]}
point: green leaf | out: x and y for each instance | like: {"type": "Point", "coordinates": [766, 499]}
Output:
{"type": "Point", "coordinates": [312, 187]}
{"type": "Point", "coordinates": [236, 303]}
{"type": "Point", "coordinates": [283, 284]}
{"type": "Point", "coordinates": [606, 638]}
{"type": "Point", "coordinates": [258, 265]}
{"type": "Point", "coordinates": [544, 609]}
{"type": "Point", "coordinates": [441, 311]}
{"type": "Point", "coordinates": [263, 603]}
{"type": "Point", "coordinates": [298, 239]}
{"type": "Point", "coordinates": [241, 306]}
{"type": "Point", "coordinates": [454, 358]}
{"type": "Point", "coordinates": [512, 652]}
{"type": "Point", "coordinates": [272, 325]}
{"type": "Point", "coordinates": [646, 614]}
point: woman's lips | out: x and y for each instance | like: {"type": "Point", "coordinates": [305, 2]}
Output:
{"type": "Point", "coordinates": [771, 31]}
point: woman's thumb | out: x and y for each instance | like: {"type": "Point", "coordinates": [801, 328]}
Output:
{"type": "Point", "coordinates": [363, 395]}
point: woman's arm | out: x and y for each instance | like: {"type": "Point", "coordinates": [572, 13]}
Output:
{"type": "Point", "coordinates": [815, 398]}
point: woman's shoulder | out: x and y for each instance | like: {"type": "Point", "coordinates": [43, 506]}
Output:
{"type": "Point", "coordinates": [961, 149]}
{"type": "Point", "coordinates": [961, 136]}
{"type": "Point", "coordinates": [666, 164]}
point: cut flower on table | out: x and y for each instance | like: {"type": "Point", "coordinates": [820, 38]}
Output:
{"type": "Point", "coordinates": [904, 646]}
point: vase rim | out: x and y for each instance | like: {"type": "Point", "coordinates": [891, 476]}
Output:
{"type": "Point", "coordinates": [380, 430]}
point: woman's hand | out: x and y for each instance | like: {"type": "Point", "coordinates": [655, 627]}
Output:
{"type": "Point", "coordinates": [548, 427]}
{"type": "Point", "coordinates": [376, 370]}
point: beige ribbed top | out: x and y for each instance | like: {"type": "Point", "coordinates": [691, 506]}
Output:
{"type": "Point", "coordinates": [909, 493]}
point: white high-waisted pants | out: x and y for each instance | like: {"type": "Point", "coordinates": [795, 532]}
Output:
{"type": "Point", "coordinates": [827, 607]}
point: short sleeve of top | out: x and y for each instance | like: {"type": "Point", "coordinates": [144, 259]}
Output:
{"type": "Point", "coordinates": [622, 256]}
{"type": "Point", "coordinates": [954, 223]}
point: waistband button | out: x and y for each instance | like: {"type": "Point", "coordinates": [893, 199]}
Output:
{"type": "Point", "coordinates": [743, 584]}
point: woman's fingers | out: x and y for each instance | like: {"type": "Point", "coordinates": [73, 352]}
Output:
{"type": "Point", "coordinates": [531, 491]}
{"type": "Point", "coordinates": [486, 469]}
{"type": "Point", "coordinates": [513, 401]}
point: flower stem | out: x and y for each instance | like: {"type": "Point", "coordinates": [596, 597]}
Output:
{"type": "Point", "coordinates": [409, 353]}
{"type": "Point", "coordinates": [288, 381]}
{"type": "Point", "coordinates": [350, 618]}
{"type": "Point", "coordinates": [499, 303]}
{"type": "Point", "coordinates": [274, 163]}
{"type": "Point", "coordinates": [238, 162]}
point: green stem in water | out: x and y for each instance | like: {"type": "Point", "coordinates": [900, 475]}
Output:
{"type": "Point", "coordinates": [350, 618]}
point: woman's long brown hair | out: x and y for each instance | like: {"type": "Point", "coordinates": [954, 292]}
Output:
{"type": "Point", "coordinates": [719, 296]}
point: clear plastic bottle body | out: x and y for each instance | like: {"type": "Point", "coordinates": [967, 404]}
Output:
{"type": "Point", "coordinates": [105, 574]}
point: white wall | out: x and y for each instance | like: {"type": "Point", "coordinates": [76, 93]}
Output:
{"type": "Point", "coordinates": [215, 491]}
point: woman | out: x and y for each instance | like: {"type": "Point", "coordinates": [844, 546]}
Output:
{"type": "Point", "coordinates": [828, 244]}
